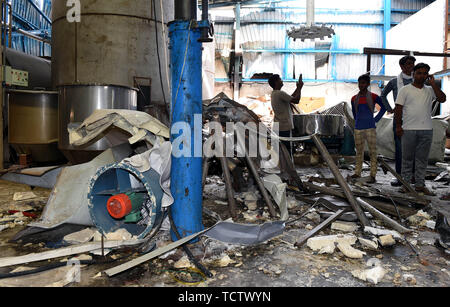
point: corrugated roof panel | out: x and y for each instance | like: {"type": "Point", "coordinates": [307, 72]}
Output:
{"type": "Point", "coordinates": [262, 63]}
{"type": "Point", "coordinates": [260, 35]}
{"type": "Point", "coordinates": [350, 67]}
{"type": "Point", "coordinates": [358, 36]}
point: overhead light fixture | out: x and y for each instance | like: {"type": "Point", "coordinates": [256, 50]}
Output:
{"type": "Point", "coordinates": [310, 31]}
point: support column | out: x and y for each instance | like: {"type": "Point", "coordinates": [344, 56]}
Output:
{"type": "Point", "coordinates": [386, 27]}
{"type": "Point", "coordinates": [237, 51]}
{"type": "Point", "coordinates": [186, 126]}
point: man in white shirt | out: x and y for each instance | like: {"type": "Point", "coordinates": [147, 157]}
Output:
{"type": "Point", "coordinates": [414, 125]}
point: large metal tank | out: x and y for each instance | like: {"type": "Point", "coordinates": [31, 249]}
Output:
{"type": "Point", "coordinates": [96, 61]}
{"type": "Point", "coordinates": [33, 123]}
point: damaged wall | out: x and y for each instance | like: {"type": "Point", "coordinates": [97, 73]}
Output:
{"type": "Point", "coordinates": [424, 31]}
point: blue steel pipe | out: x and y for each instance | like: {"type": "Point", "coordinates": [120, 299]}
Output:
{"type": "Point", "coordinates": [186, 109]}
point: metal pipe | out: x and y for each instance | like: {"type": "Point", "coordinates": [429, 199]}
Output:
{"type": "Point", "coordinates": [40, 11]}
{"type": "Point", "coordinates": [186, 173]}
{"type": "Point", "coordinates": [382, 51]}
{"type": "Point", "coordinates": [185, 10]}
{"type": "Point", "coordinates": [229, 186]}
{"type": "Point", "coordinates": [10, 25]}
{"type": "Point", "coordinates": [205, 17]}
{"type": "Point", "coordinates": [340, 179]}
{"type": "Point", "coordinates": [261, 186]}
{"type": "Point", "coordinates": [30, 35]}
{"type": "Point", "coordinates": [310, 13]}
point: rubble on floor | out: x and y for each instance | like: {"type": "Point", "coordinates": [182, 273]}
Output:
{"type": "Point", "coordinates": [388, 242]}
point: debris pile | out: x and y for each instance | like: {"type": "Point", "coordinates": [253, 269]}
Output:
{"type": "Point", "coordinates": [248, 202]}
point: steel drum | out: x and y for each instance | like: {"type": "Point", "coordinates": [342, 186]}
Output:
{"type": "Point", "coordinates": [322, 124]}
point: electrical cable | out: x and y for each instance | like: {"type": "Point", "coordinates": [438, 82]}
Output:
{"type": "Point", "coordinates": [186, 249]}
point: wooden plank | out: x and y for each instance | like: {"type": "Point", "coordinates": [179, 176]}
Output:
{"type": "Point", "coordinates": [135, 262]}
{"type": "Point", "coordinates": [387, 220]}
{"type": "Point", "coordinates": [319, 228]}
{"type": "Point", "coordinates": [63, 252]}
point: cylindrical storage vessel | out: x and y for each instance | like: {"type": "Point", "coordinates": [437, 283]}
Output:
{"type": "Point", "coordinates": [77, 102]}
{"type": "Point", "coordinates": [33, 124]}
{"type": "Point", "coordinates": [323, 124]}
{"type": "Point", "coordinates": [122, 181]}
{"type": "Point", "coordinates": [113, 44]}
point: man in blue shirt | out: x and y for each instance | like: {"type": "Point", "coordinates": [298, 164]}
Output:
{"type": "Point", "coordinates": [363, 108]}
{"type": "Point", "coordinates": [405, 78]}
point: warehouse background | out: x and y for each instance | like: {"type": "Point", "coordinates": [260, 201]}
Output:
{"type": "Point", "coordinates": [329, 67]}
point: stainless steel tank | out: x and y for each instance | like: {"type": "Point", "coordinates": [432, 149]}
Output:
{"type": "Point", "coordinates": [321, 124]}
{"type": "Point", "coordinates": [33, 124]}
{"type": "Point", "coordinates": [96, 61]}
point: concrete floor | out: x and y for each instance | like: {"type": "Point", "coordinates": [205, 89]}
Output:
{"type": "Point", "coordinates": [275, 263]}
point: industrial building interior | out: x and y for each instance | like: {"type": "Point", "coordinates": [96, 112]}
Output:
{"type": "Point", "coordinates": [143, 145]}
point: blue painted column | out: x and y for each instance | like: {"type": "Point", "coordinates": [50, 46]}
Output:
{"type": "Point", "coordinates": [334, 46]}
{"type": "Point", "coordinates": [186, 137]}
{"type": "Point", "coordinates": [386, 27]}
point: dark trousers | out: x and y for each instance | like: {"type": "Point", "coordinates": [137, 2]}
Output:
{"type": "Point", "coordinates": [286, 134]}
{"type": "Point", "coordinates": [416, 148]}
{"type": "Point", "coordinates": [398, 151]}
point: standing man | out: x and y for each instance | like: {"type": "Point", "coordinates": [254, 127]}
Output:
{"type": "Point", "coordinates": [363, 108]}
{"type": "Point", "coordinates": [414, 125]}
{"type": "Point", "coordinates": [282, 106]}
{"type": "Point", "coordinates": [405, 78]}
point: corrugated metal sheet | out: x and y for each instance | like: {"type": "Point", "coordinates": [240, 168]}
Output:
{"type": "Point", "coordinates": [351, 20]}
{"type": "Point", "coordinates": [26, 17]}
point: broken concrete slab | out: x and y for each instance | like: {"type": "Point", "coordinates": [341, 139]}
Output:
{"type": "Point", "coordinates": [369, 244]}
{"type": "Point", "coordinates": [431, 224]}
{"type": "Point", "coordinates": [419, 219]}
{"type": "Point", "coordinates": [374, 275]}
{"type": "Point", "coordinates": [120, 234]}
{"type": "Point", "coordinates": [251, 205]}
{"type": "Point", "coordinates": [23, 196]}
{"type": "Point", "coordinates": [349, 251]}
{"type": "Point", "coordinates": [409, 278]}
{"type": "Point", "coordinates": [326, 244]}
{"type": "Point", "coordinates": [225, 261]}
{"type": "Point", "coordinates": [386, 240]}
{"type": "Point", "coordinates": [182, 263]}
{"type": "Point", "coordinates": [382, 232]}
{"type": "Point", "coordinates": [79, 237]}
{"type": "Point", "coordinates": [314, 217]}
{"type": "Point", "coordinates": [344, 226]}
